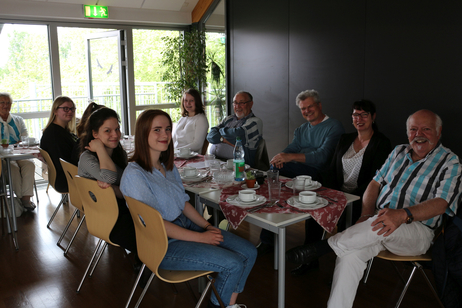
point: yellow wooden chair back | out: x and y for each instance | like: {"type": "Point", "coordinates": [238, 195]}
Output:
{"type": "Point", "coordinates": [71, 171]}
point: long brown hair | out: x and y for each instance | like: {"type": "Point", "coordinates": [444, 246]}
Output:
{"type": "Point", "coordinates": [93, 124]}
{"type": "Point", "coordinates": [197, 102]}
{"type": "Point", "coordinates": [90, 108]}
{"type": "Point", "coordinates": [142, 154]}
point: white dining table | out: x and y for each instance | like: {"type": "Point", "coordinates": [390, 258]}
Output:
{"type": "Point", "coordinates": [275, 223]}
{"type": "Point", "coordinates": [10, 156]}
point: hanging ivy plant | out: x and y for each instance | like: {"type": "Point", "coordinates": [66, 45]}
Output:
{"type": "Point", "coordinates": [186, 63]}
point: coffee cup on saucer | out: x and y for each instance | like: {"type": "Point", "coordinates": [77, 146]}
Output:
{"type": "Point", "coordinates": [307, 197]}
{"type": "Point", "coordinates": [299, 184]}
{"type": "Point", "coordinates": [247, 195]}
{"type": "Point", "coordinates": [306, 178]}
{"type": "Point", "coordinates": [189, 171]}
{"type": "Point", "coordinates": [185, 151]}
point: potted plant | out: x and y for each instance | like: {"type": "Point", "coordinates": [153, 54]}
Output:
{"type": "Point", "coordinates": [250, 179]}
{"type": "Point", "coordinates": [5, 143]}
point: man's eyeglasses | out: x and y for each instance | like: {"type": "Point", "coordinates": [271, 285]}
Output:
{"type": "Point", "coordinates": [362, 115]}
{"type": "Point", "coordinates": [67, 109]}
{"type": "Point", "coordinates": [240, 103]}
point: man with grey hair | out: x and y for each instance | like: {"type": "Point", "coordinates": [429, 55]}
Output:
{"type": "Point", "coordinates": [309, 153]}
{"type": "Point", "coordinates": [314, 142]}
{"type": "Point", "coordinates": [402, 206]}
{"type": "Point", "coordinates": [244, 124]}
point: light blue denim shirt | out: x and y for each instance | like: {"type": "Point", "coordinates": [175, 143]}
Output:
{"type": "Point", "coordinates": [165, 194]}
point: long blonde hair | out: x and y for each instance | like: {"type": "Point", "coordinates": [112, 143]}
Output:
{"type": "Point", "coordinates": [58, 102]}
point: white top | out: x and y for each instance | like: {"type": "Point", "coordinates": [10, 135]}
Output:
{"type": "Point", "coordinates": [351, 162]}
{"type": "Point", "coordinates": [190, 132]}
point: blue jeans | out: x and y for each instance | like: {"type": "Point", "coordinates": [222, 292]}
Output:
{"type": "Point", "coordinates": [233, 259]}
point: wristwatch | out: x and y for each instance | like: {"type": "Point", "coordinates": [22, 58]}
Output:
{"type": "Point", "coordinates": [221, 139]}
{"type": "Point", "coordinates": [410, 218]}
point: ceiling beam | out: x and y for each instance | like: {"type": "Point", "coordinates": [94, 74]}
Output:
{"type": "Point", "coordinates": [200, 9]}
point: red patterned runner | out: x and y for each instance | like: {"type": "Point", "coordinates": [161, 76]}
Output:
{"type": "Point", "coordinates": [327, 217]}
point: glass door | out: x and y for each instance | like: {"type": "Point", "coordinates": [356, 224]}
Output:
{"type": "Point", "coordinates": [106, 68]}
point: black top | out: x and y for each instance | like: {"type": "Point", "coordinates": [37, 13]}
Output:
{"type": "Point", "coordinates": [376, 153]}
{"type": "Point", "coordinates": [59, 143]}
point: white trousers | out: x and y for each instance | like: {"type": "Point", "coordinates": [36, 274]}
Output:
{"type": "Point", "coordinates": [358, 244]}
{"type": "Point", "coordinates": [22, 173]}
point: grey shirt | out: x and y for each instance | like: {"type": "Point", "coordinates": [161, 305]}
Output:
{"type": "Point", "coordinates": [89, 168]}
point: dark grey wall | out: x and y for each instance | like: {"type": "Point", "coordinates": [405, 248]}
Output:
{"type": "Point", "coordinates": [403, 55]}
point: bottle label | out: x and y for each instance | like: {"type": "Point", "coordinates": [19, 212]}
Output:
{"type": "Point", "coordinates": [239, 167]}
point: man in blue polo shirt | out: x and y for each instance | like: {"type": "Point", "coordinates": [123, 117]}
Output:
{"type": "Point", "coordinates": [402, 206]}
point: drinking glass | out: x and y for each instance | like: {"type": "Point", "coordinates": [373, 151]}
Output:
{"type": "Point", "coordinates": [274, 186]}
{"type": "Point", "coordinates": [24, 142]}
{"type": "Point", "coordinates": [208, 158]}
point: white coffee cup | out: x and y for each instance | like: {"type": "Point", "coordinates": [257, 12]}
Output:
{"type": "Point", "coordinates": [299, 184]}
{"type": "Point", "coordinates": [247, 195]}
{"type": "Point", "coordinates": [31, 141]}
{"type": "Point", "coordinates": [190, 171]}
{"type": "Point", "coordinates": [307, 196]}
{"type": "Point", "coordinates": [185, 151]}
{"type": "Point", "coordinates": [306, 178]}
{"type": "Point", "coordinates": [230, 163]}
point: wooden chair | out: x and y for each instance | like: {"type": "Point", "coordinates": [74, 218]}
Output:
{"type": "Point", "coordinates": [71, 171]}
{"type": "Point", "coordinates": [101, 213]}
{"type": "Point", "coordinates": [414, 260]}
{"type": "Point", "coordinates": [4, 204]}
{"type": "Point", "coordinates": [51, 181]}
{"type": "Point", "coordinates": [205, 146]}
{"type": "Point", "coordinates": [152, 243]}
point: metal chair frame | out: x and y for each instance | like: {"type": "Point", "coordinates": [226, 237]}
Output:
{"type": "Point", "coordinates": [4, 204]}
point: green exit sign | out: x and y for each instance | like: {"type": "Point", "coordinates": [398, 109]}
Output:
{"type": "Point", "coordinates": [95, 11]}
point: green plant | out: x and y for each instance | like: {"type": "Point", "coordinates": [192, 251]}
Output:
{"type": "Point", "coordinates": [249, 175]}
{"type": "Point", "coordinates": [186, 64]}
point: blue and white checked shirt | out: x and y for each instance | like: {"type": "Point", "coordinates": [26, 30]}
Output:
{"type": "Point", "coordinates": [404, 183]}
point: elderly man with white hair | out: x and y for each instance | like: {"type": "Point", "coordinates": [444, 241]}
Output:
{"type": "Point", "coordinates": [402, 206]}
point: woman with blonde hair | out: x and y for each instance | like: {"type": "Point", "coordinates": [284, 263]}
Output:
{"type": "Point", "coordinates": [59, 137]}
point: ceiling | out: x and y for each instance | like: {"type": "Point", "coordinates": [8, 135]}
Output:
{"type": "Point", "coordinates": [133, 12]}
{"type": "Point", "coordinates": [163, 5]}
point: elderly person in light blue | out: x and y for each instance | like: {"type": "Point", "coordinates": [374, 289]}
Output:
{"type": "Point", "coordinates": [12, 128]}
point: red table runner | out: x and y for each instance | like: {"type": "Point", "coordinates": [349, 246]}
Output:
{"type": "Point", "coordinates": [326, 217]}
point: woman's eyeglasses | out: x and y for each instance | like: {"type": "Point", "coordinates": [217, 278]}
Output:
{"type": "Point", "coordinates": [67, 109]}
{"type": "Point", "coordinates": [362, 115]}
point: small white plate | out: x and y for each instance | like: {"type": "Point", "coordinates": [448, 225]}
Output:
{"type": "Point", "coordinates": [257, 186]}
{"type": "Point", "coordinates": [320, 203]}
{"type": "Point", "coordinates": [234, 200]}
{"type": "Point", "coordinates": [193, 154]}
{"type": "Point", "coordinates": [195, 178]}
{"type": "Point", "coordinates": [314, 185]}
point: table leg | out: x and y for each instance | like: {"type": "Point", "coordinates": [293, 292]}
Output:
{"type": "Point", "coordinates": [282, 267]}
{"type": "Point", "coordinates": [349, 214]}
{"type": "Point", "coordinates": [13, 210]}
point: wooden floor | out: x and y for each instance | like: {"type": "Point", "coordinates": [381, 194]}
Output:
{"type": "Point", "coordinates": [38, 275]}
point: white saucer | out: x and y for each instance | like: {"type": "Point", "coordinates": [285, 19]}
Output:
{"type": "Point", "coordinates": [195, 178]}
{"type": "Point", "coordinates": [234, 200]}
{"type": "Point", "coordinates": [314, 185]}
{"type": "Point", "coordinates": [320, 203]}
{"type": "Point", "coordinates": [193, 154]}
{"type": "Point", "coordinates": [257, 186]}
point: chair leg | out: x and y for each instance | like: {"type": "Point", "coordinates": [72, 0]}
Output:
{"type": "Point", "coordinates": [75, 233]}
{"type": "Point", "coordinates": [63, 200]}
{"type": "Point", "coordinates": [145, 289]}
{"type": "Point", "coordinates": [175, 290]}
{"type": "Point", "coordinates": [67, 227]}
{"type": "Point", "coordinates": [212, 284]}
{"type": "Point", "coordinates": [192, 291]}
{"type": "Point", "coordinates": [48, 186]}
{"type": "Point", "coordinates": [406, 287]}
{"type": "Point", "coordinates": [135, 285]}
{"type": "Point", "coordinates": [89, 264]}
{"type": "Point", "coordinates": [36, 194]}
{"type": "Point", "coordinates": [97, 260]}
{"type": "Point", "coordinates": [429, 284]}
{"type": "Point", "coordinates": [4, 203]}
{"type": "Point", "coordinates": [368, 270]}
